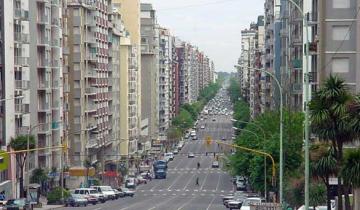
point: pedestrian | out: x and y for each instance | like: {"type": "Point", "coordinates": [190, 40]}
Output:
{"type": "Point", "coordinates": [197, 181]}
{"type": "Point", "coordinates": [214, 154]}
{"type": "Point", "coordinates": [198, 165]}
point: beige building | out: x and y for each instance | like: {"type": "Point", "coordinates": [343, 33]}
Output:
{"type": "Point", "coordinates": [130, 70]}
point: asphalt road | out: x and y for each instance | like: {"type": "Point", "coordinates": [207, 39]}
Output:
{"type": "Point", "coordinates": [178, 191]}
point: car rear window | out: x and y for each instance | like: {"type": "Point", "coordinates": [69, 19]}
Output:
{"type": "Point", "coordinates": [77, 192]}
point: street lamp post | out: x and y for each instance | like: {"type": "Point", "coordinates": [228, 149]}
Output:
{"type": "Point", "coordinates": [281, 174]}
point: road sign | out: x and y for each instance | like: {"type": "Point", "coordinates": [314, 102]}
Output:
{"type": "Point", "coordinates": [4, 160]}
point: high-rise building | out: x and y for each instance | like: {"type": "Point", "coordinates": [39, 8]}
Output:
{"type": "Point", "coordinates": [132, 127]}
{"type": "Point", "coordinates": [165, 70]}
{"type": "Point", "coordinates": [150, 69]}
{"type": "Point", "coordinates": [90, 99]}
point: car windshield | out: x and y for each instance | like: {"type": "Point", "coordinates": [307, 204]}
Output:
{"type": "Point", "coordinates": [106, 188]}
{"type": "Point", "coordinates": [76, 196]}
{"type": "Point", "coordinates": [18, 202]}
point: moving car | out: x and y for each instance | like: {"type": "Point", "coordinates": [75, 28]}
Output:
{"type": "Point", "coordinates": [176, 151]}
{"type": "Point", "coordinates": [213, 119]}
{"type": "Point", "coordinates": [76, 200]}
{"type": "Point", "coordinates": [223, 138]}
{"type": "Point", "coordinates": [130, 183]}
{"type": "Point", "coordinates": [169, 155]}
{"type": "Point", "coordinates": [141, 180]}
{"type": "Point", "coordinates": [127, 191]}
{"type": "Point", "coordinates": [194, 138]}
{"type": "Point", "coordinates": [191, 155]}
{"type": "Point", "coordinates": [118, 193]}
{"type": "Point", "coordinates": [202, 127]}
{"type": "Point", "coordinates": [20, 204]}
{"type": "Point", "coordinates": [215, 164]}
{"type": "Point", "coordinates": [106, 190]}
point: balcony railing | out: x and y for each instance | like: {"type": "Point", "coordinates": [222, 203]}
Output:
{"type": "Point", "coordinates": [22, 84]}
{"type": "Point", "coordinates": [297, 88]}
{"type": "Point", "coordinates": [21, 61]}
{"type": "Point", "coordinates": [43, 85]}
{"type": "Point", "coordinates": [21, 108]}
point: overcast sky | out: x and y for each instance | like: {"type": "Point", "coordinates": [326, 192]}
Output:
{"type": "Point", "coordinates": [212, 25]}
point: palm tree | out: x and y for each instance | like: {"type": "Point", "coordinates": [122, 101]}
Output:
{"type": "Point", "coordinates": [350, 173]}
{"type": "Point", "coordinates": [323, 165]}
{"type": "Point", "coordinates": [331, 119]}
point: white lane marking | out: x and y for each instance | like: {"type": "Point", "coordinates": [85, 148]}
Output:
{"type": "Point", "coordinates": [137, 203]}
{"type": "Point", "coordinates": [210, 203]}
{"type": "Point", "coordinates": [97, 209]}
{"type": "Point", "coordinates": [162, 203]}
{"type": "Point", "coordinates": [218, 182]}
{"type": "Point", "coordinates": [186, 203]}
{"type": "Point", "coordinates": [174, 182]}
{"type": "Point", "coordinates": [207, 174]}
{"type": "Point", "coordinates": [191, 179]}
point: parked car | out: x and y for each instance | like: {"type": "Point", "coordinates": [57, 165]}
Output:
{"type": "Point", "coordinates": [215, 164]}
{"type": "Point", "coordinates": [127, 191]}
{"type": "Point", "coordinates": [92, 195]}
{"type": "Point", "coordinates": [240, 186]}
{"type": "Point", "coordinates": [76, 200]}
{"type": "Point", "coordinates": [176, 151]}
{"type": "Point", "coordinates": [118, 193]}
{"type": "Point", "coordinates": [248, 201]}
{"type": "Point", "coordinates": [202, 127]}
{"type": "Point", "coordinates": [20, 204]}
{"type": "Point", "coordinates": [106, 190]}
{"type": "Point", "coordinates": [191, 155]}
{"type": "Point", "coordinates": [169, 155]}
{"type": "Point", "coordinates": [130, 183]}
{"type": "Point", "coordinates": [234, 204]}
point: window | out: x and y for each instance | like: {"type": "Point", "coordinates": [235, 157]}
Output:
{"type": "Point", "coordinates": [340, 33]}
{"type": "Point", "coordinates": [340, 65]}
{"type": "Point", "coordinates": [341, 4]}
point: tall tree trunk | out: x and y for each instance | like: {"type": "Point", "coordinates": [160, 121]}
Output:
{"type": "Point", "coordinates": [22, 193]}
{"type": "Point", "coordinates": [346, 195]}
{"type": "Point", "coordinates": [356, 197]}
{"type": "Point", "coordinates": [340, 189]}
{"type": "Point", "coordinates": [328, 194]}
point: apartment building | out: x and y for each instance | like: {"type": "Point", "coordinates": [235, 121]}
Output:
{"type": "Point", "coordinates": [150, 69]}
{"type": "Point", "coordinates": [90, 99]}
{"type": "Point", "coordinates": [337, 41]}
{"type": "Point", "coordinates": [175, 81]}
{"type": "Point", "coordinates": [193, 55]}
{"type": "Point", "coordinates": [246, 60]}
{"type": "Point", "coordinates": [165, 68]}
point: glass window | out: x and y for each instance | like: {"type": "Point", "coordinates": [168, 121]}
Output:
{"type": "Point", "coordinates": [341, 4]}
{"type": "Point", "coordinates": [340, 65]}
{"type": "Point", "coordinates": [340, 33]}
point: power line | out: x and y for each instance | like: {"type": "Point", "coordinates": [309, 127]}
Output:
{"type": "Point", "coordinates": [197, 5]}
{"type": "Point", "coordinates": [342, 41]}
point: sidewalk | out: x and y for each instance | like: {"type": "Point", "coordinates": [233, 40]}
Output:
{"type": "Point", "coordinates": [49, 207]}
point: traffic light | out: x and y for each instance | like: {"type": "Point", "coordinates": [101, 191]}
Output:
{"type": "Point", "coordinates": [208, 140]}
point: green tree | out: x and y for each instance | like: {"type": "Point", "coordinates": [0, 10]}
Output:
{"type": "Point", "coordinates": [334, 120]}
{"type": "Point", "coordinates": [20, 143]}
{"type": "Point", "coordinates": [184, 120]}
{"type": "Point", "coordinates": [323, 166]}
{"type": "Point", "coordinates": [251, 165]}
{"type": "Point", "coordinates": [351, 174]}
{"type": "Point", "coordinates": [241, 114]}
{"type": "Point", "coordinates": [38, 176]}
{"type": "Point", "coordinates": [317, 194]}
{"type": "Point", "coordinates": [234, 89]}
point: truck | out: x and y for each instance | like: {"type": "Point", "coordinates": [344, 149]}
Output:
{"type": "Point", "coordinates": [160, 169]}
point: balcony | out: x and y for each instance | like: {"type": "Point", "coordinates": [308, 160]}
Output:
{"type": "Point", "coordinates": [43, 19]}
{"type": "Point", "coordinates": [43, 129]}
{"type": "Point", "coordinates": [55, 2]}
{"type": "Point", "coordinates": [90, 91]}
{"type": "Point", "coordinates": [21, 61]}
{"type": "Point", "coordinates": [55, 43]}
{"type": "Point", "coordinates": [43, 63]}
{"type": "Point", "coordinates": [90, 22]}
{"type": "Point", "coordinates": [44, 85]}
{"type": "Point", "coordinates": [91, 73]}
{"type": "Point", "coordinates": [21, 37]}
{"type": "Point", "coordinates": [91, 57]}
{"type": "Point", "coordinates": [55, 63]}
{"type": "Point", "coordinates": [44, 107]}
{"type": "Point", "coordinates": [92, 143]}
{"type": "Point", "coordinates": [22, 84]}
{"type": "Point", "coordinates": [297, 63]}
{"type": "Point", "coordinates": [91, 107]}
{"type": "Point", "coordinates": [55, 84]}
{"type": "Point", "coordinates": [23, 130]}
{"type": "Point", "coordinates": [297, 88]}
{"type": "Point", "coordinates": [55, 22]}
{"type": "Point", "coordinates": [42, 41]}
{"type": "Point", "coordinates": [21, 14]}
{"type": "Point", "coordinates": [21, 108]}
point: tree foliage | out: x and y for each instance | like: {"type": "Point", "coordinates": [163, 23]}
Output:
{"type": "Point", "coordinates": [241, 114]}
{"type": "Point", "coordinates": [351, 167]}
{"type": "Point", "coordinates": [234, 90]}
{"type": "Point", "coordinates": [183, 120]}
{"type": "Point", "coordinates": [252, 165]}
{"type": "Point", "coordinates": [38, 176]}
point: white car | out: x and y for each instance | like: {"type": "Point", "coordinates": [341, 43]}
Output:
{"type": "Point", "coordinates": [107, 191]}
{"type": "Point", "coordinates": [169, 156]}
{"type": "Point", "coordinates": [202, 127]}
{"type": "Point", "coordinates": [248, 201]}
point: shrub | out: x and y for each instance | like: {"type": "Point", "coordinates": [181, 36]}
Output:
{"type": "Point", "coordinates": [54, 196]}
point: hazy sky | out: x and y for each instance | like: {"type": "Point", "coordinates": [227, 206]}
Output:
{"type": "Point", "coordinates": [213, 25]}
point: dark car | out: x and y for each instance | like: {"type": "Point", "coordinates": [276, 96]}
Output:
{"type": "Point", "coordinates": [76, 200]}
{"type": "Point", "coordinates": [17, 204]}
